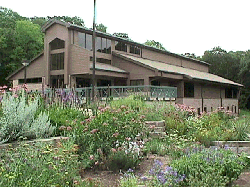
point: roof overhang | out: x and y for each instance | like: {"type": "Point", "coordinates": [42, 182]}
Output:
{"type": "Point", "coordinates": [189, 74]}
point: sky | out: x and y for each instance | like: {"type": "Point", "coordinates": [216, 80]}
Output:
{"type": "Point", "coordinates": [182, 26]}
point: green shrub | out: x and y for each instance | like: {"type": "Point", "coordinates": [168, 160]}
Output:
{"type": "Point", "coordinates": [108, 130]}
{"type": "Point", "coordinates": [209, 167]}
{"type": "Point", "coordinates": [39, 165]}
{"type": "Point", "coordinates": [20, 119]}
{"type": "Point", "coordinates": [64, 116]}
{"type": "Point", "coordinates": [121, 160]}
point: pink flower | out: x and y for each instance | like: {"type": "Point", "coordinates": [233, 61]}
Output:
{"type": "Point", "coordinates": [113, 150]}
{"type": "Point", "coordinates": [69, 128]}
{"type": "Point", "coordinates": [115, 134]}
{"type": "Point", "coordinates": [105, 124]}
{"type": "Point", "coordinates": [62, 128]}
{"type": "Point", "coordinates": [4, 87]}
{"type": "Point", "coordinates": [91, 157]}
{"type": "Point", "coordinates": [94, 131]}
{"type": "Point", "coordinates": [128, 138]}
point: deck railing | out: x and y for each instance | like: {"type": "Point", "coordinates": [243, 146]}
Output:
{"type": "Point", "coordinates": [103, 93]}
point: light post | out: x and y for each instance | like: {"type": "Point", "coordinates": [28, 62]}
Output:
{"type": "Point", "coordinates": [94, 57]}
{"type": "Point", "coordinates": [25, 64]}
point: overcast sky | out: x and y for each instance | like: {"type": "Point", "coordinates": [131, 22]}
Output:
{"type": "Point", "coordinates": [182, 26]}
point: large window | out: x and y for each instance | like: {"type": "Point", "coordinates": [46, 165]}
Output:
{"type": "Point", "coordinates": [120, 46]}
{"type": "Point", "coordinates": [138, 82]}
{"type": "Point", "coordinates": [188, 89]}
{"type": "Point", "coordinates": [135, 50]}
{"type": "Point", "coordinates": [57, 61]}
{"type": "Point", "coordinates": [33, 80]}
{"type": "Point", "coordinates": [231, 92]}
{"type": "Point", "coordinates": [57, 44]}
{"type": "Point", "coordinates": [103, 45]}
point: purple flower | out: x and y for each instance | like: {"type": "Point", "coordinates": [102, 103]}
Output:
{"type": "Point", "coordinates": [143, 178]}
{"type": "Point", "coordinates": [130, 170]}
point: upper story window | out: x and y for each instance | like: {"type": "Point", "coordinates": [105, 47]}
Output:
{"type": "Point", "coordinates": [32, 80]}
{"type": "Point", "coordinates": [57, 61]}
{"type": "Point", "coordinates": [135, 50]}
{"type": "Point", "coordinates": [57, 44]}
{"type": "Point", "coordinates": [188, 89]}
{"type": "Point", "coordinates": [120, 46]}
{"type": "Point", "coordinates": [103, 45]}
{"type": "Point", "coordinates": [231, 93]}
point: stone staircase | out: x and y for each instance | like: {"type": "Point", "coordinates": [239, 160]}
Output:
{"type": "Point", "coordinates": [158, 128]}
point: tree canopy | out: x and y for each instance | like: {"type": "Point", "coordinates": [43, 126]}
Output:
{"type": "Point", "coordinates": [155, 44]}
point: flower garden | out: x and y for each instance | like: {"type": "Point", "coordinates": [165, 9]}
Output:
{"type": "Point", "coordinates": [113, 136]}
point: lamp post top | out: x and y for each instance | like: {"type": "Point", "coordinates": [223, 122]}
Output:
{"type": "Point", "coordinates": [25, 63]}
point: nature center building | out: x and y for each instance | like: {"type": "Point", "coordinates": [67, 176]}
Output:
{"type": "Point", "coordinates": [66, 62]}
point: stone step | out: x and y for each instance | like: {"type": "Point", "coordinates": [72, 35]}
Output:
{"type": "Point", "coordinates": [155, 123]}
{"type": "Point", "coordinates": [159, 129]}
{"type": "Point", "coordinates": [157, 134]}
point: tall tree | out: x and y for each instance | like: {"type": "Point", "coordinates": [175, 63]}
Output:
{"type": "Point", "coordinates": [101, 27]}
{"type": "Point", "coordinates": [73, 20]}
{"type": "Point", "coordinates": [121, 35]}
{"type": "Point", "coordinates": [155, 44]}
{"type": "Point", "coordinates": [223, 63]}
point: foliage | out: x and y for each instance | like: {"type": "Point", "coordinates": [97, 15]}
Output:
{"type": "Point", "coordinates": [164, 176]}
{"type": "Point", "coordinates": [209, 167]}
{"type": "Point", "coordinates": [155, 44]}
{"type": "Point", "coordinates": [64, 116]}
{"type": "Point", "coordinates": [121, 159]}
{"type": "Point", "coordinates": [108, 131]}
{"type": "Point", "coordinates": [39, 165]}
{"type": "Point", "coordinates": [129, 179]}
{"type": "Point", "coordinates": [19, 119]}
{"type": "Point", "coordinates": [101, 27]}
{"type": "Point", "coordinates": [73, 20]}
{"type": "Point", "coordinates": [121, 35]}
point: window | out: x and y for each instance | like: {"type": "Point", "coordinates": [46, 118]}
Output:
{"type": "Point", "coordinates": [188, 89]}
{"type": "Point", "coordinates": [57, 44]}
{"type": "Point", "coordinates": [120, 46]}
{"type": "Point", "coordinates": [138, 82]}
{"type": "Point", "coordinates": [98, 45]}
{"type": "Point", "coordinates": [103, 45]}
{"type": "Point", "coordinates": [108, 46]}
{"type": "Point", "coordinates": [82, 39]}
{"type": "Point", "coordinates": [101, 60]}
{"type": "Point", "coordinates": [33, 80]}
{"type": "Point", "coordinates": [231, 92]}
{"type": "Point", "coordinates": [89, 42]}
{"type": "Point", "coordinates": [57, 61]}
{"type": "Point", "coordinates": [135, 50]}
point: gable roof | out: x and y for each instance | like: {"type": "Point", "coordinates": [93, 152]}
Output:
{"type": "Point", "coordinates": [110, 36]}
{"type": "Point", "coordinates": [168, 68]}
{"type": "Point", "coordinates": [19, 69]}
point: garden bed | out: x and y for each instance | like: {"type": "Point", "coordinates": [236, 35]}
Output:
{"type": "Point", "coordinates": [53, 140]}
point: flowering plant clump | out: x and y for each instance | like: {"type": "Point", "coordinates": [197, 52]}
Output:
{"type": "Point", "coordinates": [209, 167]}
{"type": "Point", "coordinates": [39, 165]}
{"type": "Point", "coordinates": [164, 176]}
{"type": "Point", "coordinates": [112, 132]}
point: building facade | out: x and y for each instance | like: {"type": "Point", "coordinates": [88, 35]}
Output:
{"type": "Point", "coordinates": [66, 62]}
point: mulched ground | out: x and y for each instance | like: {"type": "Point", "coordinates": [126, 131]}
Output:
{"type": "Point", "coordinates": [111, 179]}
